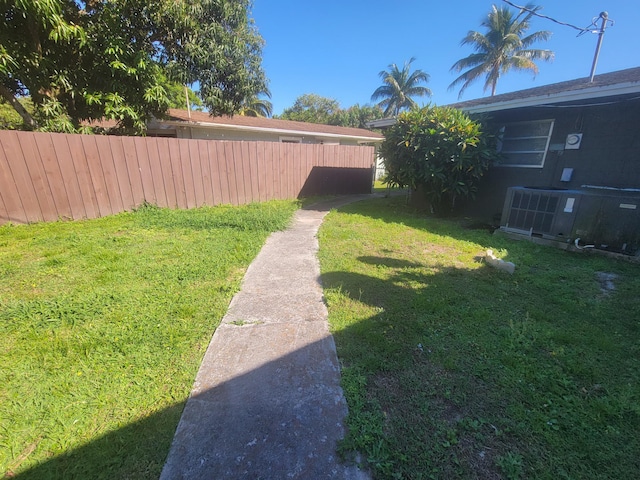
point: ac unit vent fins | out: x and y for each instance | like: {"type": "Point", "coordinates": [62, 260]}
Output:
{"type": "Point", "coordinates": [532, 211]}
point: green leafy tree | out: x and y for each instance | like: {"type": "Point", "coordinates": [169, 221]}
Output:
{"type": "Point", "coordinates": [439, 152]}
{"type": "Point", "coordinates": [178, 99]}
{"type": "Point", "coordinates": [87, 60]}
{"type": "Point", "coordinates": [311, 108]}
{"type": "Point", "coordinates": [400, 86]}
{"type": "Point", "coordinates": [9, 117]}
{"type": "Point", "coordinates": [501, 48]}
{"type": "Point", "coordinates": [356, 116]}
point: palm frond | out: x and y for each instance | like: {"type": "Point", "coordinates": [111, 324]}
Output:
{"type": "Point", "coordinates": [503, 46]}
{"type": "Point", "coordinates": [399, 85]}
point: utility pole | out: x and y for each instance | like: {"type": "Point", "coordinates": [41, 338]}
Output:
{"type": "Point", "coordinates": [605, 17]}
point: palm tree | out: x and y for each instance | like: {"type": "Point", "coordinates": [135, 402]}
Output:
{"type": "Point", "coordinates": [501, 48]}
{"type": "Point", "coordinates": [399, 88]}
{"type": "Point", "coordinates": [255, 106]}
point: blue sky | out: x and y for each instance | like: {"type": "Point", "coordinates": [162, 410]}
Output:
{"type": "Point", "coordinates": [337, 48]}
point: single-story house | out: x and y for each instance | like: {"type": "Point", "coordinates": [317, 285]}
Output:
{"type": "Point", "coordinates": [570, 167]}
{"type": "Point", "coordinates": [571, 161]}
{"type": "Point", "coordinates": [200, 125]}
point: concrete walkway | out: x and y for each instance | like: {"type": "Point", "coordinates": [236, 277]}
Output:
{"type": "Point", "coordinates": [267, 402]}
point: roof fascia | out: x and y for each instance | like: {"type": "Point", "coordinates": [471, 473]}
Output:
{"type": "Point", "coordinates": [279, 131]}
{"type": "Point", "coordinates": [562, 97]}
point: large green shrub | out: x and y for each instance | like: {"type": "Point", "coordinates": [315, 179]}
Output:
{"type": "Point", "coordinates": [439, 152]}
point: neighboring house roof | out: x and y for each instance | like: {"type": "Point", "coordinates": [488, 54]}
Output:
{"type": "Point", "coordinates": [622, 82]}
{"type": "Point", "coordinates": [271, 125]}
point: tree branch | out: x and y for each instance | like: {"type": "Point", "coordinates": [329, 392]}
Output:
{"type": "Point", "coordinates": [17, 106]}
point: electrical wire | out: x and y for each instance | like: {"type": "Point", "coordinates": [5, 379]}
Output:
{"type": "Point", "coordinates": [580, 29]}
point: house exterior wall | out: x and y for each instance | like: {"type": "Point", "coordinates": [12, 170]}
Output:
{"type": "Point", "coordinates": [609, 153]}
{"type": "Point", "coordinates": [203, 133]}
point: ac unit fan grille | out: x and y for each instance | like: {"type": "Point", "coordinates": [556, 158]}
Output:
{"type": "Point", "coordinates": [532, 211]}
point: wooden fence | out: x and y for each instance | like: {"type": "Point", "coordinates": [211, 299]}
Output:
{"type": "Point", "coordinates": [51, 176]}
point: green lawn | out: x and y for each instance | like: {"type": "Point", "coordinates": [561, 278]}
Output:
{"type": "Point", "coordinates": [103, 324]}
{"type": "Point", "coordinates": [453, 369]}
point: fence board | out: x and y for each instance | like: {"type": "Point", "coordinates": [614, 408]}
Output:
{"type": "Point", "coordinates": [297, 168]}
{"type": "Point", "coordinates": [243, 160]}
{"type": "Point", "coordinates": [253, 168]}
{"type": "Point", "coordinates": [187, 173]}
{"type": "Point", "coordinates": [9, 190]}
{"type": "Point", "coordinates": [165, 174]}
{"type": "Point", "coordinates": [276, 170]}
{"type": "Point", "coordinates": [144, 166]}
{"type": "Point", "coordinates": [177, 177]}
{"type": "Point", "coordinates": [239, 163]}
{"type": "Point", "coordinates": [50, 176]}
{"type": "Point", "coordinates": [261, 172]}
{"type": "Point", "coordinates": [225, 171]}
{"type": "Point", "coordinates": [284, 169]}
{"type": "Point", "coordinates": [196, 173]}
{"type": "Point", "coordinates": [17, 167]}
{"type": "Point", "coordinates": [69, 176]}
{"type": "Point", "coordinates": [44, 147]}
{"type": "Point", "coordinates": [121, 174]}
{"type": "Point", "coordinates": [39, 179]}
{"type": "Point", "coordinates": [215, 157]}
{"type": "Point", "coordinates": [235, 172]}
{"type": "Point", "coordinates": [133, 171]}
{"type": "Point", "coordinates": [97, 177]}
{"type": "Point", "coordinates": [110, 177]}
{"type": "Point", "coordinates": [205, 167]}
{"type": "Point", "coordinates": [288, 172]}
{"type": "Point", "coordinates": [4, 212]}
{"type": "Point", "coordinates": [81, 169]}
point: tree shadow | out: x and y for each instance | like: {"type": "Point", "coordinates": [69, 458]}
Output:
{"type": "Point", "coordinates": [418, 390]}
{"type": "Point", "coordinates": [141, 447]}
{"type": "Point", "coordinates": [281, 419]}
{"type": "Point", "coordinates": [395, 210]}
{"type": "Point", "coordinates": [247, 433]}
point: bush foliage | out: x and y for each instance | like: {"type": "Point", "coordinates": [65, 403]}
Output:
{"type": "Point", "coordinates": [439, 152]}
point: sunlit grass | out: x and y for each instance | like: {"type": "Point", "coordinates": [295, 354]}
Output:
{"type": "Point", "coordinates": [103, 324]}
{"type": "Point", "coordinates": [453, 369]}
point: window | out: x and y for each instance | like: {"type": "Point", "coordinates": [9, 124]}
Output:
{"type": "Point", "coordinates": [525, 144]}
{"type": "Point", "coordinates": [291, 139]}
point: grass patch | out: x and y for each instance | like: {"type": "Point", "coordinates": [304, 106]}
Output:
{"type": "Point", "coordinates": [453, 369]}
{"type": "Point", "coordinates": [103, 324]}
{"type": "Point", "coordinates": [380, 187]}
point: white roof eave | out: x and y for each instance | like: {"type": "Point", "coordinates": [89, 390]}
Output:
{"type": "Point", "coordinates": [279, 131]}
{"type": "Point", "coordinates": [591, 93]}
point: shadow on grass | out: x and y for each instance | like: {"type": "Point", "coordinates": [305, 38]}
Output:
{"type": "Point", "coordinates": [281, 419]}
{"type": "Point", "coordinates": [431, 359]}
{"type": "Point", "coordinates": [141, 449]}
{"type": "Point", "coordinates": [394, 209]}
{"type": "Point", "coordinates": [422, 409]}
{"type": "Point", "coordinates": [454, 405]}
{"type": "Point", "coordinates": [471, 373]}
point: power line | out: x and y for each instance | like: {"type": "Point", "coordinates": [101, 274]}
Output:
{"type": "Point", "coordinates": [604, 16]}
{"type": "Point", "coordinates": [580, 29]}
